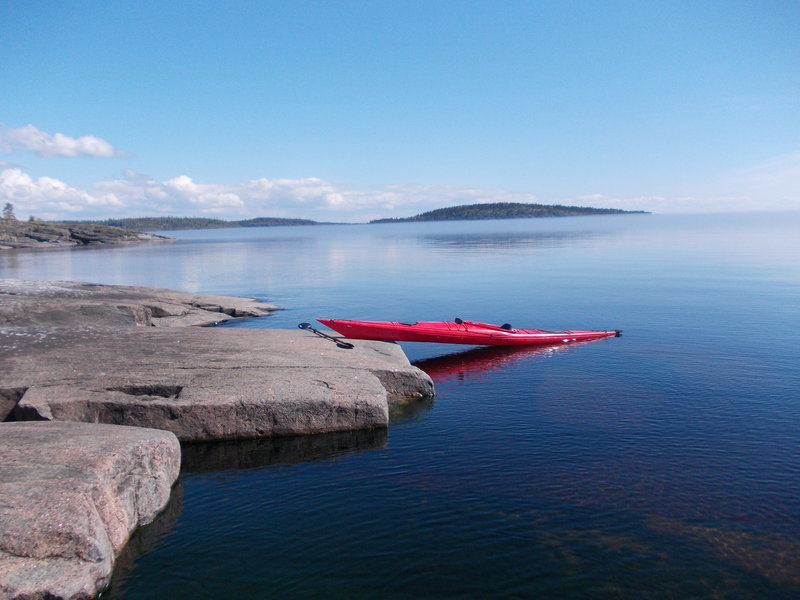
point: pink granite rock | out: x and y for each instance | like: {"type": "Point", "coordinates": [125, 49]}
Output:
{"type": "Point", "coordinates": [70, 496]}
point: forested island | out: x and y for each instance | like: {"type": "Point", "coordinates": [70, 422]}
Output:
{"type": "Point", "coordinates": [506, 210]}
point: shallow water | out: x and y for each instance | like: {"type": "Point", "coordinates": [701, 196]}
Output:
{"type": "Point", "coordinates": [661, 464]}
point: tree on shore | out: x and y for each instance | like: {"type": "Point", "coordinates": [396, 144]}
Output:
{"type": "Point", "coordinates": [8, 212]}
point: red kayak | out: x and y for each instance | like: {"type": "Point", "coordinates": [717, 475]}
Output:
{"type": "Point", "coordinates": [458, 332]}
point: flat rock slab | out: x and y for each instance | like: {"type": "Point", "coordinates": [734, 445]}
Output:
{"type": "Point", "coordinates": [70, 496]}
{"type": "Point", "coordinates": [26, 303]}
{"type": "Point", "coordinates": [204, 383]}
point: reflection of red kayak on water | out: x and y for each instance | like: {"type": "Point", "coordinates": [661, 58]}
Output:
{"type": "Point", "coordinates": [481, 360]}
{"type": "Point", "coordinates": [458, 332]}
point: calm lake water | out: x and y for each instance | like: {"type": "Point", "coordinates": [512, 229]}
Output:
{"type": "Point", "coordinates": [661, 464]}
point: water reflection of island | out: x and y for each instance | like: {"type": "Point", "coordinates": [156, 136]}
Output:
{"type": "Point", "coordinates": [509, 240]}
{"type": "Point", "coordinates": [483, 360]}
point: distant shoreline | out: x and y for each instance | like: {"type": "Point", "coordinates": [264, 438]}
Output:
{"type": "Point", "coordinates": [467, 212]}
{"type": "Point", "coordinates": [35, 233]}
{"type": "Point", "coordinates": [192, 223]}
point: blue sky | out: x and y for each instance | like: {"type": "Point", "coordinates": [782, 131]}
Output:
{"type": "Point", "coordinates": [349, 111]}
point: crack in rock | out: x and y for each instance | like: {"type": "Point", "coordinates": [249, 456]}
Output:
{"type": "Point", "coordinates": [9, 398]}
{"type": "Point", "coordinates": [164, 391]}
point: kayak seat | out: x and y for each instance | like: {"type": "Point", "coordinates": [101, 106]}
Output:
{"type": "Point", "coordinates": [409, 324]}
{"type": "Point", "coordinates": [506, 326]}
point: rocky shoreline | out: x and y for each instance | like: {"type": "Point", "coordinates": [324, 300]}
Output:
{"type": "Point", "coordinates": [71, 494]}
{"type": "Point", "coordinates": [40, 234]}
{"type": "Point", "coordinates": [75, 304]}
{"type": "Point", "coordinates": [99, 383]}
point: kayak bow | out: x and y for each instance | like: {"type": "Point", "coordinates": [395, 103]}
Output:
{"type": "Point", "coordinates": [458, 332]}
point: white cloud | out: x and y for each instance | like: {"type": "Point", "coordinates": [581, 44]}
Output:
{"type": "Point", "coordinates": [289, 193]}
{"type": "Point", "coordinates": [136, 194]}
{"type": "Point", "coordinates": [771, 186]}
{"type": "Point", "coordinates": [47, 196]}
{"type": "Point", "coordinates": [51, 145]}
{"type": "Point", "coordinates": [778, 178]}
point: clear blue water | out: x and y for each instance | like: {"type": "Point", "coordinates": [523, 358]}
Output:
{"type": "Point", "coordinates": [661, 464]}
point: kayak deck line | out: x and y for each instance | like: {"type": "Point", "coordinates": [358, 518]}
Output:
{"type": "Point", "coordinates": [459, 331]}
